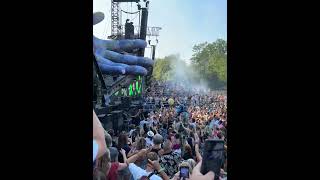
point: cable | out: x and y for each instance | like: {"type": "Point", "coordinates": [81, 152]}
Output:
{"type": "Point", "coordinates": [106, 25]}
{"type": "Point", "coordinates": [129, 12]}
{"type": "Point", "coordinates": [107, 20]}
{"type": "Point", "coordinates": [134, 18]}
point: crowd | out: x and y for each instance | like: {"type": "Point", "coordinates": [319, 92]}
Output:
{"type": "Point", "coordinates": [170, 136]}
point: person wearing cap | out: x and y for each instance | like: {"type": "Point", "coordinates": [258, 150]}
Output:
{"type": "Point", "coordinates": [149, 139]}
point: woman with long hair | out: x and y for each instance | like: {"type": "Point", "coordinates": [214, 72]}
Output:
{"type": "Point", "coordinates": [140, 144]}
{"type": "Point", "coordinates": [123, 144]}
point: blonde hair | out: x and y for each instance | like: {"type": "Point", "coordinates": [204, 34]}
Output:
{"type": "Point", "coordinates": [185, 164]}
{"type": "Point", "coordinates": [103, 162]}
{"type": "Point", "coordinates": [192, 163]}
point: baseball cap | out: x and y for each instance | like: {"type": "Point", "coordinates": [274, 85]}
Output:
{"type": "Point", "coordinates": [150, 134]}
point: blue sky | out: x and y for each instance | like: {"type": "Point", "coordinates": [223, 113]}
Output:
{"type": "Point", "coordinates": [184, 23]}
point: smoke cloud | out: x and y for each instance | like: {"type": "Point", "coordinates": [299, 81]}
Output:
{"type": "Point", "coordinates": [186, 75]}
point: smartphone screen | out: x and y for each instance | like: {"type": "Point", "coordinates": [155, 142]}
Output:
{"type": "Point", "coordinates": [213, 157]}
{"type": "Point", "coordinates": [184, 172]}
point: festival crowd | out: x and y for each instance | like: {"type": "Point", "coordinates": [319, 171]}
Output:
{"type": "Point", "coordinates": [169, 136]}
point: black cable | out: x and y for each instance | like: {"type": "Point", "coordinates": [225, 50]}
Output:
{"type": "Point", "coordinates": [130, 12]}
{"type": "Point", "coordinates": [134, 18]}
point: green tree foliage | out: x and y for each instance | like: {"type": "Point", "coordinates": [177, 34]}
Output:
{"type": "Point", "coordinates": [163, 67]}
{"type": "Point", "coordinates": [208, 63]}
{"type": "Point", "coordinates": [210, 60]}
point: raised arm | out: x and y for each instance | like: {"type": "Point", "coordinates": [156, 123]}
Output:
{"type": "Point", "coordinates": [132, 152]}
{"type": "Point", "coordinates": [197, 141]}
{"type": "Point", "coordinates": [133, 158]}
{"type": "Point", "coordinates": [123, 165]}
{"type": "Point", "coordinates": [98, 136]}
{"type": "Point", "coordinates": [159, 170]}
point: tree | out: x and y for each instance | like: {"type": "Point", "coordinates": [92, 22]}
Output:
{"type": "Point", "coordinates": [208, 63]}
{"type": "Point", "coordinates": [211, 60]}
{"type": "Point", "coordinates": [162, 67]}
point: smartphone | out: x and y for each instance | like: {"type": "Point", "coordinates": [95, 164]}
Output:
{"type": "Point", "coordinates": [213, 157]}
{"type": "Point", "coordinates": [184, 172]}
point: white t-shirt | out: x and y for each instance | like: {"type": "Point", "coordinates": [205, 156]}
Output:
{"type": "Point", "coordinates": [138, 172]}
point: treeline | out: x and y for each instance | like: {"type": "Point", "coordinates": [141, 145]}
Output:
{"type": "Point", "coordinates": [208, 64]}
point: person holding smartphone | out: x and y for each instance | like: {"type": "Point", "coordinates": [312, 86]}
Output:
{"type": "Point", "coordinates": [184, 171]}
{"type": "Point", "coordinates": [195, 175]}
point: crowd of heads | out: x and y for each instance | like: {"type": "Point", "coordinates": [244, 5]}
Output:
{"type": "Point", "coordinates": [172, 135]}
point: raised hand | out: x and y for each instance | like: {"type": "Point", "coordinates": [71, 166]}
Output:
{"type": "Point", "coordinates": [110, 61]}
{"type": "Point", "coordinates": [123, 152]}
{"type": "Point", "coordinates": [197, 175]}
{"type": "Point", "coordinates": [155, 164]}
